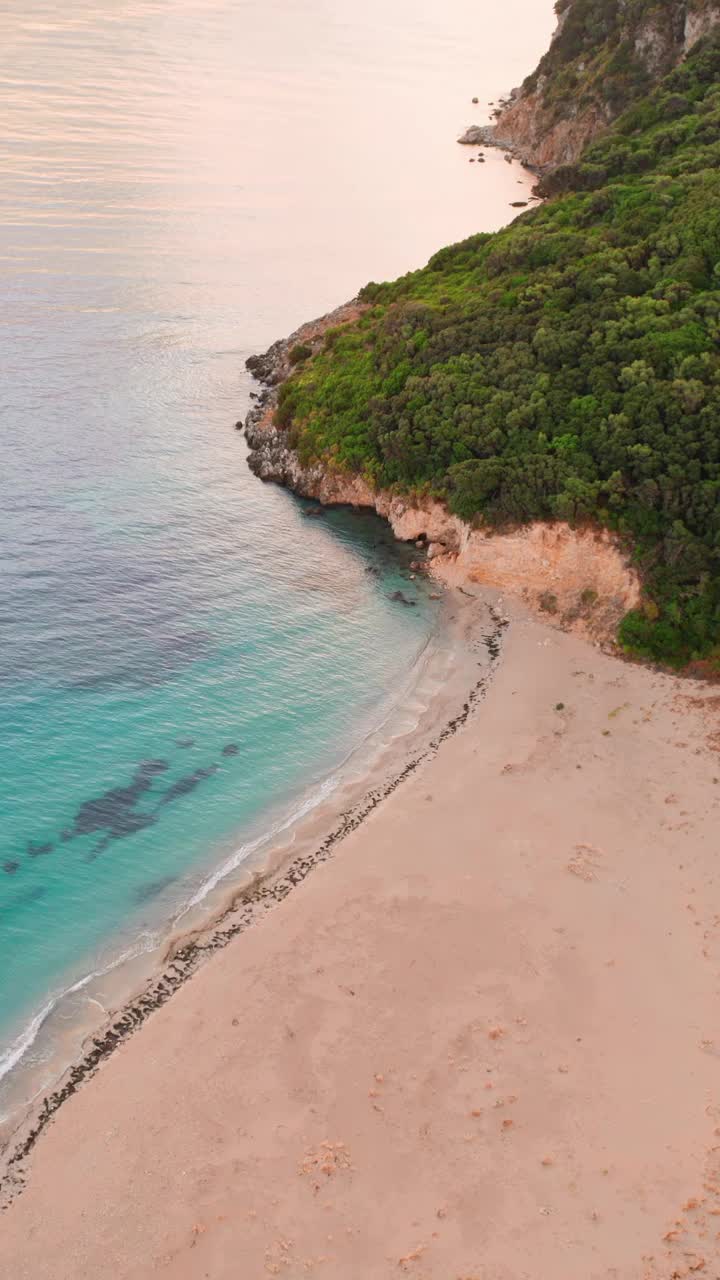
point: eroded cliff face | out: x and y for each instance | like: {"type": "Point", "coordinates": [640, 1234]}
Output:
{"type": "Point", "coordinates": [540, 143]}
{"type": "Point", "coordinates": [576, 578]}
{"type": "Point", "coordinates": [604, 55]}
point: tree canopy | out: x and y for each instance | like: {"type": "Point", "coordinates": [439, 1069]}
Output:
{"type": "Point", "coordinates": [565, 367]}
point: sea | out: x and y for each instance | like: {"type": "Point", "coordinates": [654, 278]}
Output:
{"type": "Point", "coordinates": [189, 657]}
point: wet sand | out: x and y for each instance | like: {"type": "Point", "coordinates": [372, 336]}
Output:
{"type": "Point", "coordinates": [450, 676]}
{"type": "Point", "coordinates": [480, 1040]}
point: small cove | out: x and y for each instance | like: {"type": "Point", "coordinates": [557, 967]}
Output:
{"type": "Point", "coordinates": [185, 652]}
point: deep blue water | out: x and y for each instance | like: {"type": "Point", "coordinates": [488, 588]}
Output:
{"type": "Point", "coordinates": [184, 654]}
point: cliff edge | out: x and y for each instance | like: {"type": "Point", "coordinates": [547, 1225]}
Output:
{"type": "Point", "coordinates": [577, 578]}
{"type": "Point", "coordinates": [604, 55]}
{"type": "Point", "coordinates": [553, 379]}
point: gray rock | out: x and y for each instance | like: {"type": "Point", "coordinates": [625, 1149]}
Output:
{"type": "Point", "coordinates": [475, 136]}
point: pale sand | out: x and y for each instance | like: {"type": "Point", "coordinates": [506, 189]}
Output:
{"type": "Point", "coordinates": [482, 1041]}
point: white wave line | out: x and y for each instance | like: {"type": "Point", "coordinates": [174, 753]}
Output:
{"type": "Point", "coordinates": [19, 1047]}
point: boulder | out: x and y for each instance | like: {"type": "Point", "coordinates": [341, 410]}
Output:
{"type": "Point", "coordinates": [475, 136]}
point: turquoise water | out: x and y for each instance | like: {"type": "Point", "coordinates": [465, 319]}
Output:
{"type": "Point", "coordinates": [184, 653]}
{"type": "Point", "coordinates": [166, 684]}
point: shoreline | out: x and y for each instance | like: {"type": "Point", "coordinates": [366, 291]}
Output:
{"type": "Point", "coordinates": [182, 951]}
{"type": "Point", "coordinates": [578, 578]}
{"type": "Point", "coordinates": [224, 878]}
{"type": "Point", "coordinates": [469, 1045]}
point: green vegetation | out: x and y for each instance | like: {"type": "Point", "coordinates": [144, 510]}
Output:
{"type": "Point", "coordinates": [564, 368]}
{"type": "Point", "coordinates": [549, 602]}
{"type": "Point", "coordinates": [301, 351]}
{"type": "Point", "coordinates": [607, 53]}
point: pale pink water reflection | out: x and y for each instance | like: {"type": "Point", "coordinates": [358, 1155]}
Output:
{"type": "Point", "coordinates": [280, 153]}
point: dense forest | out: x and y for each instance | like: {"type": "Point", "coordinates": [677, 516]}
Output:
{"type": "Point", "coordinates": [565, 367]}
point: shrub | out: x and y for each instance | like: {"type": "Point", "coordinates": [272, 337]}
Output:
{"type": "Point", "coordinates": [300, 352]}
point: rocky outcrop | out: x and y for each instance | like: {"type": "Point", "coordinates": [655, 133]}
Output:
{"type": "Point", "coordinates": [602, 56]}
{"type": "Point", "coordinates": [270, 457]}
{"type": "Point", "coordinates": [700, 19]}
{"type": "Point", "coordinates": [478, 135]}
{"type": "Point", "coordinates": [577, 578]}
{"type": "Point", "coordinates": [277, 363]}
{"type": "Point", "coordinates": [524, 130]}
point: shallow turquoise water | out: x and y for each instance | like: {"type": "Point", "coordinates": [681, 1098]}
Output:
{"type": "Point", "coordinates": [165, 687]}
{"type": "Point", "coordinates": [183, 652]}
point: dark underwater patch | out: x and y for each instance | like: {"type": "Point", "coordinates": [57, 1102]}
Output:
{"type": "Point", "coordinates": [115, 814]}
{"type": "Point", "coordinates": [151, 768]}
{"type": "Point", "coordinates": [148, 668]}
{"type": "Point", "coordinates": [185, 785]}
{"type": "Point", "coordinates": [151, 889]}
{"type": "Point", "coordinates": [34, 850]}
{"type": "Point", "coordinates": [10, 866]}
{"type": "Point", "coordinates": [109, 810]}
{"type": "Point", "coordinates": [231, 749]}
{"type": "Point", "coordinates": [113, 810]}
{"type": "Point", "coordinates": [126, 825]}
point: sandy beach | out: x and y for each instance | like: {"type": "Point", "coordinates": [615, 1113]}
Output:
{"type": "Point", "coordinates": [479, 1042]}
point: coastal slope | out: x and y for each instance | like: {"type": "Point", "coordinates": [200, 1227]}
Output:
{"type": "Point", "coordinates": [579, 578]}
{"type": "Point", "coordinates": [479, 1042]}
{"type": "Point", "coordinates": [563, 370]}
{"type": "Point", "coordinates": [603, 57]}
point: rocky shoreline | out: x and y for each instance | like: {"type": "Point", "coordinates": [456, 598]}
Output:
{"type": "Point", "coordinates": [486, 135]}
{"type": "Point", "coordinates": [531, 127]}
{"type": "Point", "coordinates": [579, 579]}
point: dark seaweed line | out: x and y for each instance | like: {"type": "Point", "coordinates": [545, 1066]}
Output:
{"type": "Point", "coordinates": [258, 899]}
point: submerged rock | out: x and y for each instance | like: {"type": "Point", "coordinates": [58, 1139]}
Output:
{"type": "Point", "coordinates": [149, 768]}
{"type": "Point", "coordinates": [184, 785]}
{"type": "Point", "coordinates": [231, 749]}
{"type": "Point", "coordinates": [34, 850]}
{"type": "Point", "coordinates": [115, 810]}
{"type": "Point", "coordinates": [126, 824]}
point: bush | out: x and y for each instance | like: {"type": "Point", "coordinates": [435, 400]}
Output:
{"type": "Point", "coordinates": [548, 602]}
{"type": "Point", "coordinates": [300, 352]}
